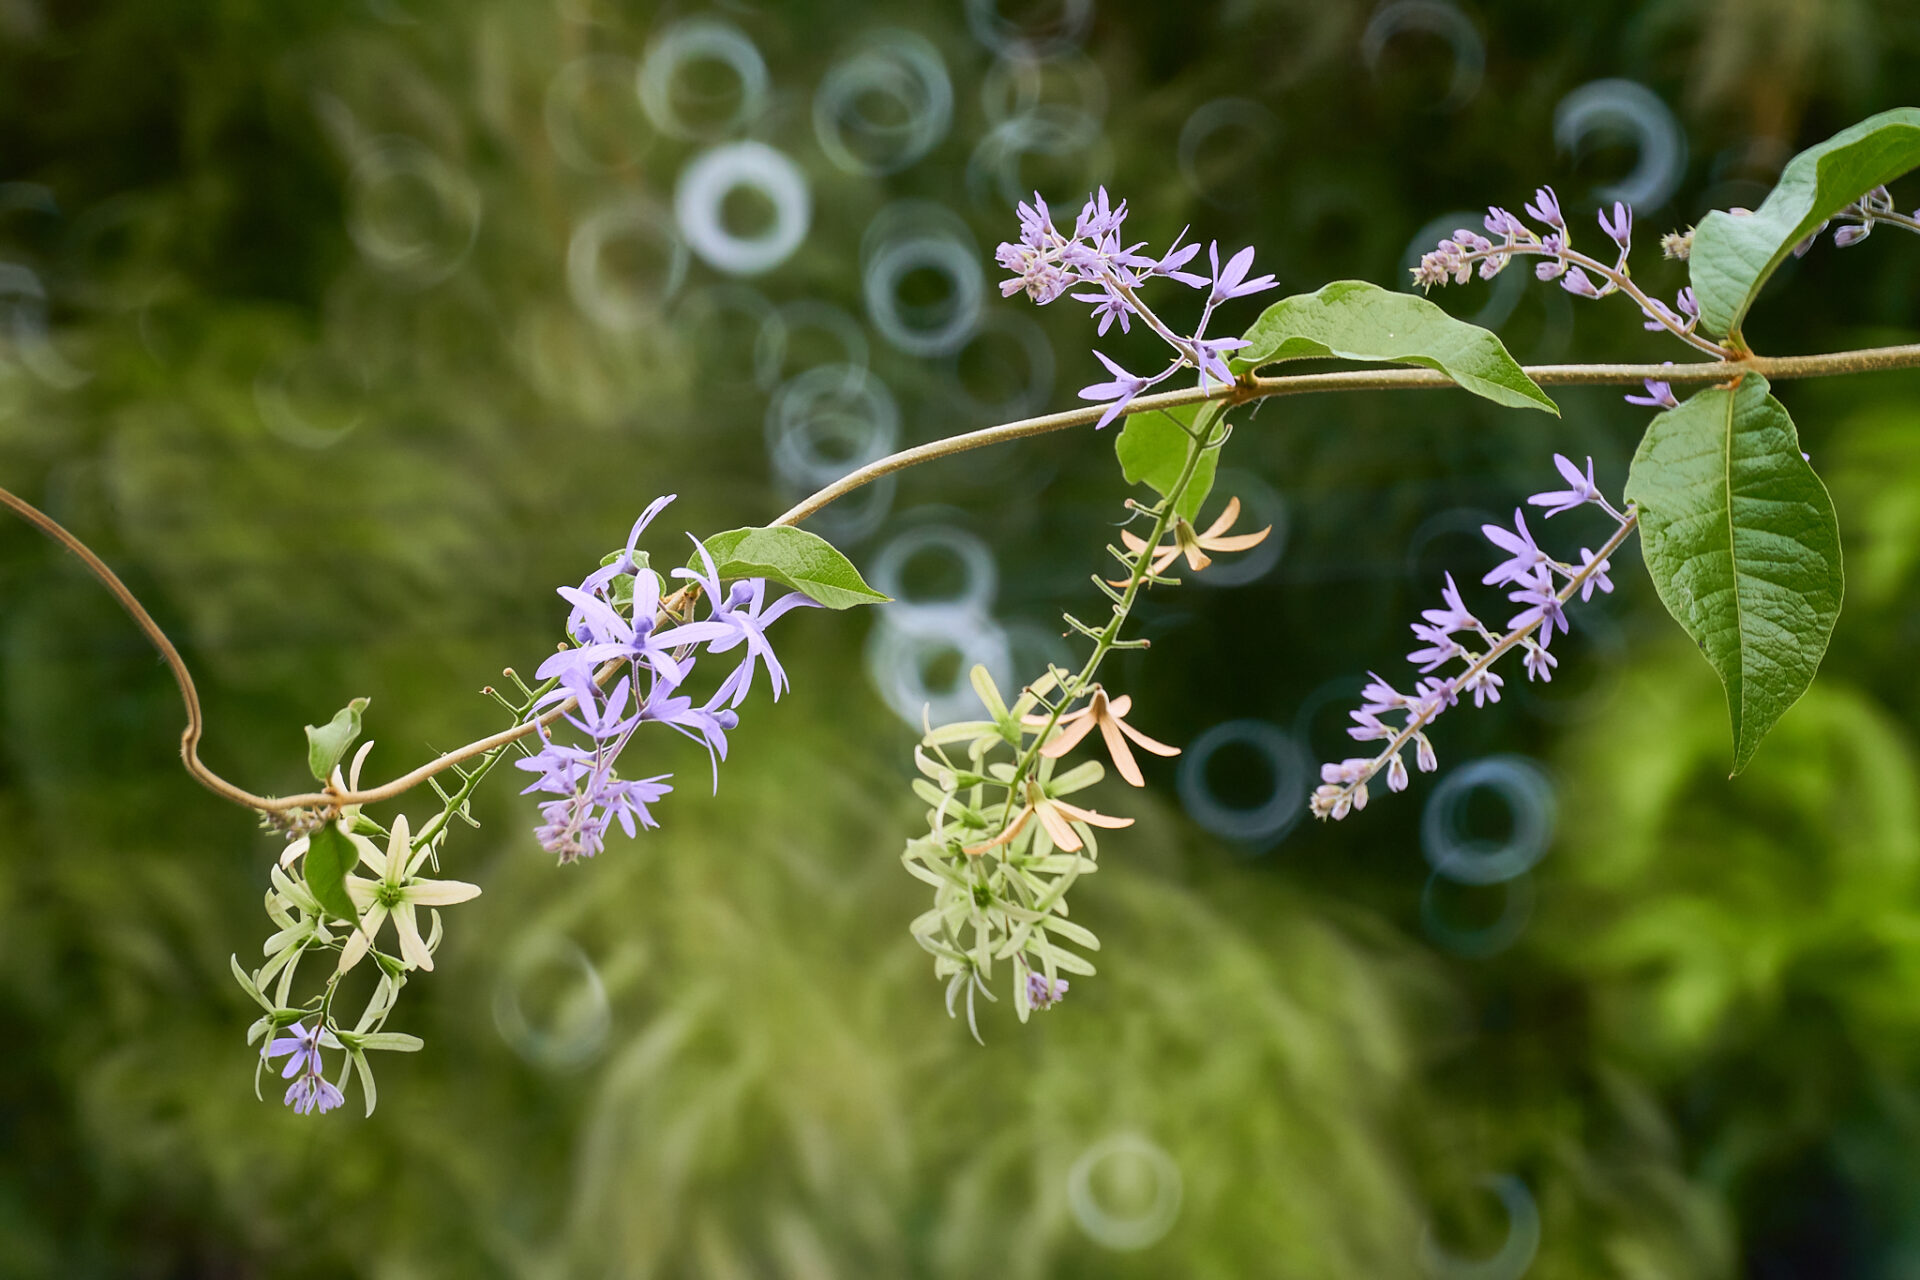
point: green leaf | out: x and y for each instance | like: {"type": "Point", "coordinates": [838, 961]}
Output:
{"type": "Point", "coordinates": [1152, 448]}
{"type": "Point", "coordinates": [1354, 320]}
{"type": "Point", "coordinates": [1733, 256]}
{"type": "Point", "coordinates": [395, 1041]}
{"type": "Point", "coordinates": [804, 561]}
{"type": "Point", "coordinates": [330, 855]}
{"type": "Point", "coordinates": [327, 746]}
{"type": "Point", "coordinates": [1740, 538]}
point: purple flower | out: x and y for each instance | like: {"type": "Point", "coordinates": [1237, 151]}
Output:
{"type": "Point", "coordinates": [1396, 773]}
{"type": "Point", "coordinates": [1539, 663]}
{"type": "Point", "coordinates": [1096, 221]}
{"type": "Point", "coordinates": [559, 765]}
{"type": "Point", "coordinates": [1121, 391]}
{"type": "Point", "coordinates": [1523, 555]}
{"type": "Point", "coordinates": [1454, 617]}
{"type": "Point", "coordinates": [600, 580]}
{"type": "Point", "coordinates": [1620, 230]}
{"type": "Point", "coordinates": [1423, 754]}
{"type": "Point", "coordinates": [1543, 606]}
{"type": "Point", "coordinates": [1441, 648]}
{"type": "Point", "coordinates": [1232, 282]}
{"type": "Point", "coordinates": [703, 724]}
{"type": "Point", "coordinates": [1597, 576]}
{"type": "Point", "coordinates": [1483, 684]}
{"type": "Point", "coordinates": [1177, 256]}
{"type": "Point", "coordinates": [1501, 223]}
{"type": "Point", "coordinates": [1212, 353]}
{"type": "Point", "coordinates": [1580, 491]}
{"type": "Point", "coordinates": [572, 829]}
{"type": "Point", "coordinates": [1368, 727]}
{"type": "Point", "coordinates": [1660, 316]}
{"type": "Point", "coordinates": [1689, 304]}
{"type": "Point", "coordinates": [1575, 281]}
{"type": "Point", "coordinates": [1042, 994]}
{"type": "Point", "coordinates": [1546, 208]}
{"type": "Point", "coordinates": [742, 617]}
{"type": "Point", "coordinates": [1659, 396]}
{"type": "Point", "coordinates": [628, 801]}
{"type": "Point", "coordinates": [1555, 266]}
{"type": "Point", "coordinates": [1378, 695]}
{"type": "Point", "coordinates": [1108, 306]}
{"type": "Point", "coordinates": [313, 1093]}
{"type": "Point", "coordinates": [310, 1090]}
{"type": "Point", "coordinates": [302, 1044]}
{"type": "Point", "coordinates": [1852, 235]}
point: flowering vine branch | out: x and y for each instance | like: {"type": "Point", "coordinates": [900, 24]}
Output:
{"type": "Point", "coordinates": [1719, 479]}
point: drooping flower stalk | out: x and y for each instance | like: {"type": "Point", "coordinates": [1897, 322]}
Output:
{"type": "Point", "coordinates": [1541, 584]}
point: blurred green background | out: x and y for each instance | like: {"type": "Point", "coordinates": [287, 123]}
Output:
{"type": "Point", "coordinates": [345, 331]}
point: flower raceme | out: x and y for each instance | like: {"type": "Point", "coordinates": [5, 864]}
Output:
{"type": "Point", "coordinates": [1465, 252]}
{"type": "Point", "coordinates": [620, 623]}
{"type": "Point", "coordinates": [1048, 262]}
{"type": "Point", "coordinates": [1540, 584]}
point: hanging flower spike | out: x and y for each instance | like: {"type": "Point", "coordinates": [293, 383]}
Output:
{"type": "Point", "coordinates": [398, 892]}
{"type": "Point", "coordinates": [1110, 719]}
{"type": "Point", "coordinates": [1194, 546]}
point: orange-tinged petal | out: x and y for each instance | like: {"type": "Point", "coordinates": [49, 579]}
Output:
{"type": "Point", "coordinates": [1064, 836]}
{"type": "Point", "coordinates": [1196, 557]}
{"type": "Point", "coordinates": [1123, 760]}
{"type": "Point", "coordinates": [1132, 541]}
{"type": "Point", "coordinates": [1088, 816]}
{"type": "Point", "coordinates": [1013, 829]}
{"type": "Point", "coordinates": [1069, 737]}
{"type": "Point", "coordinates": [1158, 748]}
{"type": "Point", "coordinates": [1225, 522]}
{"type": "Point", "coordinates": [1238, 542]}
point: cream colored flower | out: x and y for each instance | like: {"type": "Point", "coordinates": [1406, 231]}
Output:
{"type": "Point", "coordinates": [397, 892]}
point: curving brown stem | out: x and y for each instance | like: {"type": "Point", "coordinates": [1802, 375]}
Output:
{"type": "Point", "coordinates": [1246, 389]}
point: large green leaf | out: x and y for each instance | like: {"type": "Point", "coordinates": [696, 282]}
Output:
{"type": "Point", "coordinates": [1152, 448]}
{"type": "Point", "coordinates": [1740, 538]}
{"type": "Point", "coordinates": [328, 744]}
{"type": "Point", "coordinates": [1733, 256]}
{"type": "Point", "coordinates": [1354, 320]}
{"type": "Point", "coordinates": [804, 561]}
{"type": "Point", "coordinates": [330, 855]}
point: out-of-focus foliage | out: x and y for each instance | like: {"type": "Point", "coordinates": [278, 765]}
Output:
{"type": "Point", "coordinates": [344, 437]}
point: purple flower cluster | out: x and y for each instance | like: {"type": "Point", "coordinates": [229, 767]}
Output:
{"type": "Point", "coordinates": [1457, 258]}
{"type": "Point", "coordinates": [311, 1090]}
{"type": "Point", "coordinates": [617, 618]}
{"type": "Point", "coordinates": [1541, 585]}
{"type": "Point", "coordinates": [1873, 207]}
{"type": "Point", "coordinates": [1047, 263]}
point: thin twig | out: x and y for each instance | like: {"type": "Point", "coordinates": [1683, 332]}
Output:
{"type": "Point", "coordinates": [1248, 388]}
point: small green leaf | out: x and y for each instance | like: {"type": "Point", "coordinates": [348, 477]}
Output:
{"type": "Point", "coordinates": [1354, 320]}
{"type": "Point", "coordinates": [327, 746]}
{"type": "Point", "coordinates": [330, 855]}
{"type": "Point", "coordinates": [1152, 448]}
{"type": "Point", "coordinates": [394, 1041]}
{"type": "Point", "coordinates": [365, 1071]}
{"type": "Point", "coordinates": [248, 985]}
{"type": "Point", "coordinates": [793, 557]}
{"type": "Point", "coordinates": [1740, 538]}
{"type": "Point", "coordinates": [1733, 256]}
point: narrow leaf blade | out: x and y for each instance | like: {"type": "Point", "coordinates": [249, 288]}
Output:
{"type": "Point", "coordinates": [1354, 320]}
{"type": "Point", "coordinates": [1740, 538]}
{"type": "Point", "coordinates": [330, 855]}
{"type": "Point", "coordinates": [792, 557]}
{"type": "Point", "coordinates": [1152, 448]}
{"type": "Point", "coordinates": [1733, 256]}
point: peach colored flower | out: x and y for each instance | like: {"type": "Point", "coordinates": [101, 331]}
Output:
{"type": "Point", "coordinates": [1110, 717]}
{"type": "Point", "coordinates": [1194, 546]}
